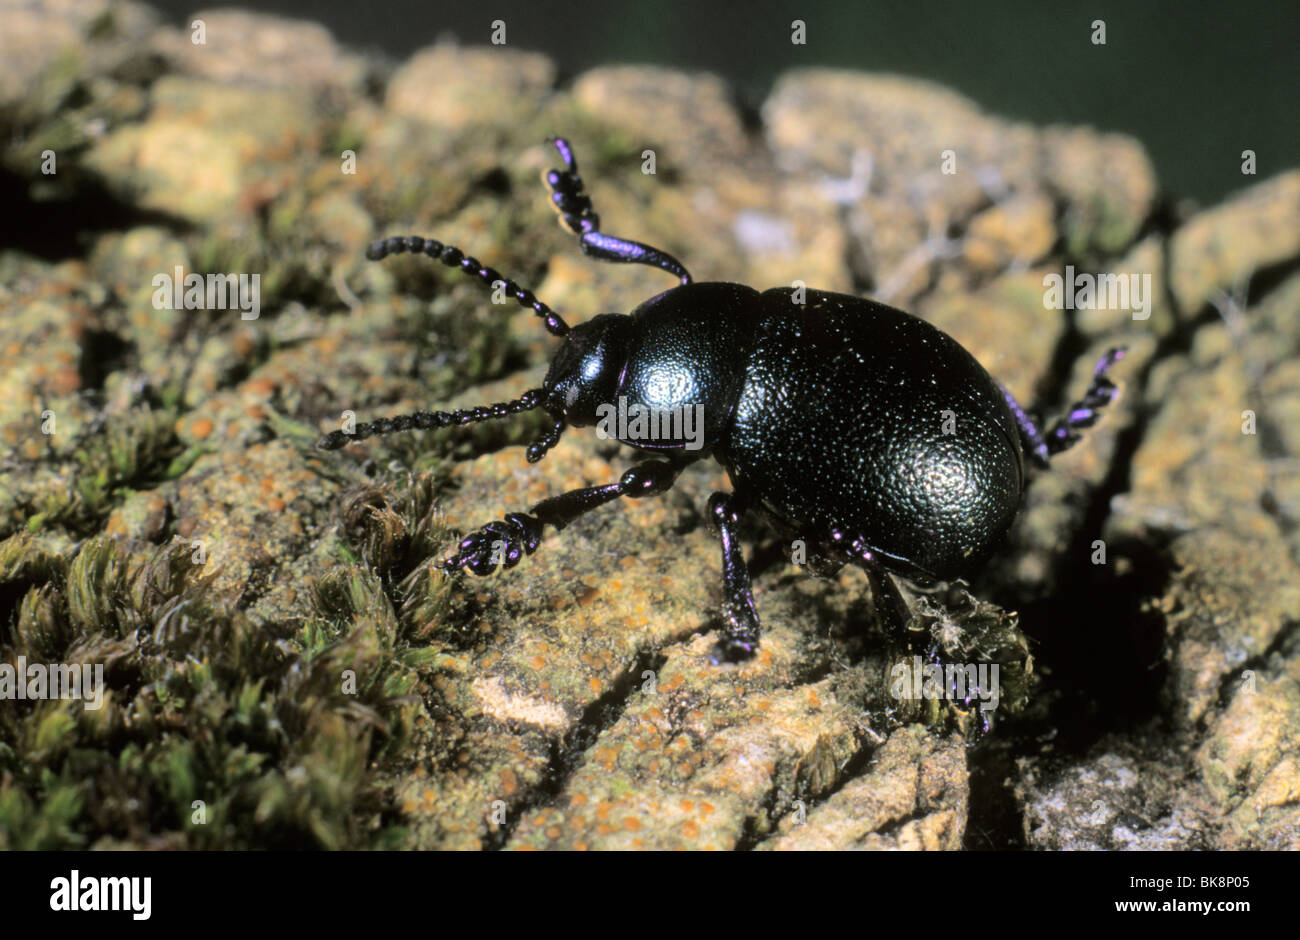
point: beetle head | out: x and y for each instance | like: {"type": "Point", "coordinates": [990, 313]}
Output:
{"type": "Point", "coordinates": [585, 372]}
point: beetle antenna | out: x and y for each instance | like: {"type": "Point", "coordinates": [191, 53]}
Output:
{"type": "Point", "coordinates": [577, 215]}
{"type": "Point", "coordinates": [453, 257]}
{"type": "Point", "coordinates": [428, 420]}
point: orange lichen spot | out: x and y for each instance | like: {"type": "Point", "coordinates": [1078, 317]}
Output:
{"type": "Point", "coordinates": [267, 485]}
{"type": "Point", "coordinates": [276, 504]}
{"type": "Point", "coordinates": [66, 381]}
{"type": "Point", "coordinates": [604, 829]}
{"type": "Point", "coordinates": [706, 809]}
{"type": "Point", "coordinates": [594, 684]}
{"type": "Point", "coordinates": [674, 683]}
{"type": "Point", "coordinates": [578, 799]}
{"type": "Point", "coordinates": [553, 833]}
{"type": "Point", "coordinates": [587, 596]}
{"type": "Point", "coordinates": [262, 386]}
{"type": "Point", "coordinates": [688, 806]}
{"type": "Point", "coordinates": [509, 783]}
{"type": "Point", "coordinates": [684, 769]}
{"type": "Point", "coordinates": [627, 561]}
{"type": "Point", "coordinates": [537, 662]}
{"type": "Point", "coordinates": [580, 846]}
{"type": "Point", "coordinates": [603, 808]}
{"type": "Point", "coordinates": [201, 428]}
{"type": "Point", "coordinates": [429, 796]}
{"type": "Point", "coordinates": [813, 698]}
{"type": "Point", "coordinates": [632, 824]}
{"type": "Point", "coordinates": [690, 830]}
{"type": "Point", "coordinates": [615, 585]}
{"type": "Point", "coordinates": [256, 412]}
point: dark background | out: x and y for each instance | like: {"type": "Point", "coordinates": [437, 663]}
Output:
{"type": "Point", "coordinates": [1197, 83]}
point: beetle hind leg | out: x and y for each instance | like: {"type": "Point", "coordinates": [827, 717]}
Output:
{"type": "Point", "coordinates": [1063, 434]}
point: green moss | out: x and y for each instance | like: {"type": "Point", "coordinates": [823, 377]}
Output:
{"type": "Point", "coordinates": [215, 731]}
{"type": "Point", "coordinates": [130, 451]}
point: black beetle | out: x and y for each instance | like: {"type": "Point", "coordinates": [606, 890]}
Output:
{"type": "Point", "coordinates": [867, 433]}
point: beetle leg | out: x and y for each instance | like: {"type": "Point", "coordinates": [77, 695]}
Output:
{"type": "Point", "coordinates": [578, 216]}
{"type": "Point", "coordinates": [740, 626]}
{"type": "Point", "coordinates": [1063, 434]}
{"type": "Point", "coordinates": [890, 606]}
{"type": "Point", "coordinates": [505, 543]}
{"type": "Point", "coordinates": [1084, 413]}
{"type": "Point", "coordinates": [1030, 434]}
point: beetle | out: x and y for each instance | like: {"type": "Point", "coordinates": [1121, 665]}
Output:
{"type": "Point", "coordinates": [866, 432]}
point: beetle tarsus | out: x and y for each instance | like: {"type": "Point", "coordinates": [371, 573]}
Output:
{"type": "Point", "coordinates": [498, 544]}
{"type": "Point", "coordinates": [1084, 413]}
{"type": "Point", "coordinates": [1042, 445]}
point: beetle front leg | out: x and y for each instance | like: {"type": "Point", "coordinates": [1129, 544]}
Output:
{"type": "Point", "coordinates": [740, 626]}
{"type": "Point", "coordinates": [504, 543]}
